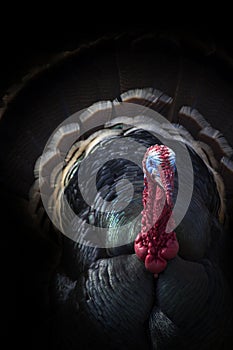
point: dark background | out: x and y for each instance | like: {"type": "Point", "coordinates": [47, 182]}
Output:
{"type": "Point", "coordinates": [29, 38]}
{"type": "Point", "coordinates": [27, 41]}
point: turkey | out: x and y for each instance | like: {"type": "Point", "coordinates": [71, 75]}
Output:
{"type": "Point", "coordinates": [132, 195]}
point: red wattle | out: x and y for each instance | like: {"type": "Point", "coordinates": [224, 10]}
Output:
{"type": "Point", "coordinates": [171, 249]}
{"type": "Point", "coordinates": [140, 250]}
{"type": "Point", "coordinates": [155, 265]}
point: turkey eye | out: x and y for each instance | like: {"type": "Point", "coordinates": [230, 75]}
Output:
{"type": "Point", "coordinates": [75, 129]}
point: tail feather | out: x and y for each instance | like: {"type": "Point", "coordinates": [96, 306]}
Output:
{"type": "Point", "coordinates": [148, 97]}
{"type": "Point", "coordinates": [217, 142]}
{"type": "Point", "coordinates": [192, 120]}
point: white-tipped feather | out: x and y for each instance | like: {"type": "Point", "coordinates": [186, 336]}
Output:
{"type": "Point", "coordinates": [148, 94]}
{"type": "Point", "coordinates": [98, 113]}
{"type": "Point", "coordinates": [203, 150]}
{"type": "Point", "coordinates": [67, 134]}
{"type": "Point", "coordinates": [136, 93]}
{"type": "Point", "coordinates": [193, 116]}
{"type": "Point", "coordinates": [49, 159]}
{"type": "Point", "coordinates": [99, 106]}
{"type": "Point", "coordinates": [211, 134]}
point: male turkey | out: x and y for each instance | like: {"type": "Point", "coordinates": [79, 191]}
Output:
{"type": "Point", "coordinates": [105, 286]}
{"type": "Point", "coordinates": [125, 290]}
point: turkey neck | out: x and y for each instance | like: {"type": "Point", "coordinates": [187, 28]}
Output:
{"type": "Point", "coordinates": [153, 244]}
{"type": "Point", "coordinates": [157, 207]}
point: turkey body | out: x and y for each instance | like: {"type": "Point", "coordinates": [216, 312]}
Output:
{"type": "Point", "coordinates": [104, 296]}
